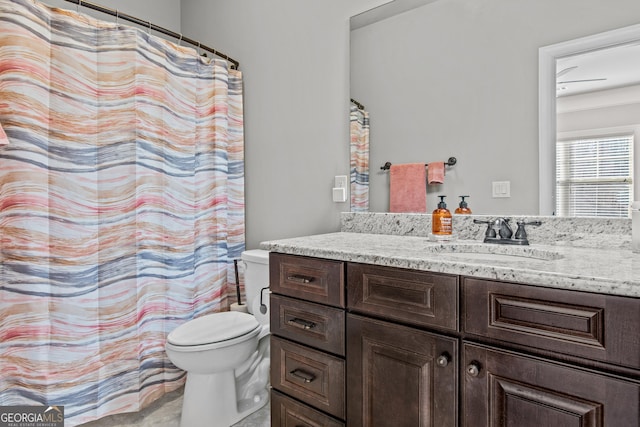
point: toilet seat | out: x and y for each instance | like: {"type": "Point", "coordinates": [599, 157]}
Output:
{"type": "Point", "coordinates": [214, 331]}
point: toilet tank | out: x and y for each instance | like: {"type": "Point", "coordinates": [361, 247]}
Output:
{"type": "Point", "coordinates": [256, 275]}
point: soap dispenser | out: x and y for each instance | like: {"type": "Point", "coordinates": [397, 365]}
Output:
{"type": "Point", "coordinates": [441, 219]}
{"type": "Point", "coordinates": [463, 208]}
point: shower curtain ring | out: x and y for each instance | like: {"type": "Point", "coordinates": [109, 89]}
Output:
{"type": "Point", "coordinates": [78, 6]}
{"type": "Point", "coordinates": [149, 30]}
{"type": "Point", "coordinates": [180, 40]}
{"type": "Point", "coordinates": [117, 16]}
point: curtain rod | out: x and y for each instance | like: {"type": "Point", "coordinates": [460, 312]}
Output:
{"type": "Point", "coordinates": [148, 24]}
{"type": "Point", "coordinates": [360, 106]}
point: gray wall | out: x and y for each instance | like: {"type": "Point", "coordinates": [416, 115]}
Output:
{"type": "Point", "coordinates": [295, 58]}
{"type": "Point", "coordinates": [460, 78]}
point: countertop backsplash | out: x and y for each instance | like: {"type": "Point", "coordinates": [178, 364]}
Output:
{"type": "Point", "coordinates": [609, 233]}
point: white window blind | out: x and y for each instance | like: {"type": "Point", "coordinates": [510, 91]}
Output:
{"type": "Point", "coordinates": [594, 177]}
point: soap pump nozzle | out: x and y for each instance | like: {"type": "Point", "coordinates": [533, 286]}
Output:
{"type": "Point", "coordinates": [463, 208]}
{"type": "Point", "coordinates": [441, 203]}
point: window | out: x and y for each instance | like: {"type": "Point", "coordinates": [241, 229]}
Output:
{"type": "Point", "coordinates": [594, 176]}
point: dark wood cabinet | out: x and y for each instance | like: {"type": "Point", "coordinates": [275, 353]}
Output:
{"type": "Point", "coordinates": [307, 320]}
{"type": "Point", "coordinates": [365, 345]}
{"type": "Point", "coordinates": [400, 376]}
{"type": "Point", "coordinates": [503, 388]}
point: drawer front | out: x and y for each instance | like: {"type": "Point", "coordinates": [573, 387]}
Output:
{"type": "Point", "coordinates": [579, 324]}
{"type": "Point", "coordinates": [313, 324]}
{"type": "Point", "coordinates": [311, 376]}
{"type": "Point", "coordinates": [311, 279]}
{"type": "Point", "coordinates": [414, 297]}
{"type": "Point", "coordinates": [286, 412]}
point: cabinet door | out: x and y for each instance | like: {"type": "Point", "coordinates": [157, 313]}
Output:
{"type": "Point", "coordinates": [505, 389]}
{"type": "Point", "coordinates": [399, 376]}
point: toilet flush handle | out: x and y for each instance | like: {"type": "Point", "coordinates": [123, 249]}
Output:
{"type": "Point", "coordinates": [263, 306]}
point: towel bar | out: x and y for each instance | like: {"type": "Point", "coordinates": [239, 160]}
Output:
{"type": "Point", "coordinates": [450, 162]}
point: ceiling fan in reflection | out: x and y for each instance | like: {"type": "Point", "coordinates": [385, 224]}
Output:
{"type": "Point", "coordinates": [561, 73]}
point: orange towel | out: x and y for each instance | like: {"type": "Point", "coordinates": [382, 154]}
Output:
{"type": "Point", "coordinates": [435, 173]}
{"type": "Point", "coordinates": [3, 137]}
{"type": "Point", "coordinates": [408, 188]}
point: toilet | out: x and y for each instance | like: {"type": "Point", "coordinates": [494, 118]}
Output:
{"type": "Point", "coordinates": [226, 355]}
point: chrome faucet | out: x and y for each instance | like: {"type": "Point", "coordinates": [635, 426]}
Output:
{"type": "Point", "coordinates": [499, 231]}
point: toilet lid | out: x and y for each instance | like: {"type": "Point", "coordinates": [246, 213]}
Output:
{"type": "Point", "coordinates": [213, 328]}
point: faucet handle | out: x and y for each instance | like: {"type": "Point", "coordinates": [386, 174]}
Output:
{"type": "Point", "coordinates": [490, 230]}
{"type": "Point", "coordinates": [521, 234]}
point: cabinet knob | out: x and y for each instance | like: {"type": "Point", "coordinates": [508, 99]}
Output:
{"type": "Point", "coordinates": [473, 369]}
{"type": "Point", "coordinates": [443, 360]}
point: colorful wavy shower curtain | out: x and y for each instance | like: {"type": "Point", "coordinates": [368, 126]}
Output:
{"type": "Point", "coordinates": [121, 207]}
{"type": "Point", "coordinates": [359, 127]}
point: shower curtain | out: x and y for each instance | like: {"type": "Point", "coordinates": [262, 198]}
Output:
{"type": "Point", "coordinates": [121, 207]}
{"type": "Point", "coordinates": [359, 126]}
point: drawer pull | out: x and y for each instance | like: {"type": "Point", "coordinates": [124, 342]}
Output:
{"type": "Point", "coordinates": [473, 369]}
{"type": "Point", "coordinates": [301, 323]}
{"type": "Point", "coordinates": [299, 278]}
{"type": "Point", "coordinates": [305, 376]}
{"type": "Point", "coordinates": [443, 360]}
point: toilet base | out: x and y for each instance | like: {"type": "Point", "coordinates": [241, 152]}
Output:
{"type": "Point", "coordinates": [210, 401]}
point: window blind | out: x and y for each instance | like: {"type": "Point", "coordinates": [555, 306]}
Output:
{"type": "Point", "coordinates": [594, 176]}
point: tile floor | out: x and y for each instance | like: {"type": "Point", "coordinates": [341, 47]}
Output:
{"type": "Point", "coordinates": [165, 412]}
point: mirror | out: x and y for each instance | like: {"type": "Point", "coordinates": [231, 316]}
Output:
{"type": "Point", "coordinates": [587, 87]}
{"type": "Point", "coordinates": [460, 79]}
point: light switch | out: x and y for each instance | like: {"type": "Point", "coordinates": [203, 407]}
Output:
{"type": "Point", "coordinates": [501, 189]}
{"type": "Point", "coordinates": [341, 181]}
{"type": "Point", "coordinates": [339, 195]}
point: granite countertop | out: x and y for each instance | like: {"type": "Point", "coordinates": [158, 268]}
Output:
{"type": "Point", "coordinates": [606, 271]}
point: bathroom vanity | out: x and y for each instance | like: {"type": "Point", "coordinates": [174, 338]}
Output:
{"type": "Point", "coordinates": [371, 329]}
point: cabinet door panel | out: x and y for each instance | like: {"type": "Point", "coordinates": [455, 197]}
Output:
{"type": "Point", "coordinates": [505, 389]}
{"type": "Point", "coordinates": [399, 376]}
{"type": "Point", "coordinates": [580, 324]}
{"type": "Point", "coordinates": [415, 297]}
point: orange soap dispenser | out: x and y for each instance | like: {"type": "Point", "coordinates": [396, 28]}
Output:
{"type": "Point", "coordinates": [441, 219]}
{"type": "Point", "coordinates": [463, 208]}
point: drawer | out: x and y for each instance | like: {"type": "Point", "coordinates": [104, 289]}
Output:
{"type": "Point", "coordinates": [308, 375]}
{"type": "Point", "coordinates": [579, 324]}
{"type": "Point", "coordinates": [286, 412]}
{"type": "Point", "coordinates": [311, 279]}
{"type": "Point", "coordinates": [313, 324]}
{"type": "Point", "coordinates": [413, 297]}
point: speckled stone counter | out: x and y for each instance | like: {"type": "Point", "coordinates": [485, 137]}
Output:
{"type": "Point", "coordinates": [592, 269]}
{"type": "Point", "coordinates": [582, 232]}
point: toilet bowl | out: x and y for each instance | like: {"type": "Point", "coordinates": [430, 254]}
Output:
{"type": "Point", "coordinates": [226, 355]}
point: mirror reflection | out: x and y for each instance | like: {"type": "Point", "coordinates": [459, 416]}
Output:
{"type": "Point", "coordinates": [459, 78]}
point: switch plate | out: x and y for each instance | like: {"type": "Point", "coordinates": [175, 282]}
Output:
{"type": "Point", "coordinates": [339, 195]}
{"type": "Point", "coordinates": [341, 181]}
{"type": "Point", "coordinates": [501, 189]}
